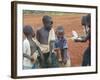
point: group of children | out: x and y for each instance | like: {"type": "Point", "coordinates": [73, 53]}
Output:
{"type": "Point", "coordinates": [32, 52]}
{"type": "Point", "coordinates": [39, 51]}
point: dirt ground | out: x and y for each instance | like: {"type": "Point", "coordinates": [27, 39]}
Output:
{"type": "Point", "coordinates": [69, 22]}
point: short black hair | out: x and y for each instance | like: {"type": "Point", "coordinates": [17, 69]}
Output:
{"type": "Point", "coordinates": [45, 17]}
{"type": "Point", "coordinates": [27, 29]}
{"type": "Point", "coordinates": [60, 29]}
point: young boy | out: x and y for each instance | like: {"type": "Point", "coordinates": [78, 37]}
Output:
{"type": "Point", "coordinates": [43, 36]}
{"type": "Point", "coordinates": [61, 45]}
{"type": "Point", "coordinates": [30, 50]}
{"type": "Point", "coordinates": [27, 57]}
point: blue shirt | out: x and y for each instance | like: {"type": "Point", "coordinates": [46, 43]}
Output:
{"type": "Point", "coordinates": [61, 43]}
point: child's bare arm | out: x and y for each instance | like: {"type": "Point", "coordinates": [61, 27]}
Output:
{"type": "Point", "coordinates": [28, 57]}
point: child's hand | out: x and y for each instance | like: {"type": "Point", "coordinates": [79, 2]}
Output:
{"type": "Point", "coordinates": [32, 59]}
{"type": "Point", "coordinates": [55, 49]}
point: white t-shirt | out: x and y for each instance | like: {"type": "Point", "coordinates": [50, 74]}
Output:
{"type": "Point", "coordinates": [26, 50]}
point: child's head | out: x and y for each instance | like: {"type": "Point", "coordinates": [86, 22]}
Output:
{"type": "Point", "coordinates": [28, 31]}
{"type": "Point", "coordinates": [47, 21]}
{"type": "Point", "coordinates": [60, 31]}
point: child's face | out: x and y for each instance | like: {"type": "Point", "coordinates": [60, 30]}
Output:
{"type": "Point", "coordinates": [48, 23]}
{"type": "Point", "coordinates": [60, 34]}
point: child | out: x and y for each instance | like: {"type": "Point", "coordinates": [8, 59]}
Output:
{"type": "Point", "coordinates": [27, 57]}
{"type": "Point", "coordinates": [44, 38]}
{"type": "Point", "coordinates": [30, 50]}
{"type": "Point", "coordinates": [61, 45]}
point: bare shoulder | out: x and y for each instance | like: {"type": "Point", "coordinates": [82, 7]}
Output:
{"type": "Point", "coordinates": [39, 29]}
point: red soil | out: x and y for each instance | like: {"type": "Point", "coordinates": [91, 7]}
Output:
{"type": "Point", "coordinates": [69, 22]}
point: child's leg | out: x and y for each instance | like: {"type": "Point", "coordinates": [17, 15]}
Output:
{"type": "Point", "coordinates": [58, 51]}
{"type": "Point", "coordinates": [64, 56]}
